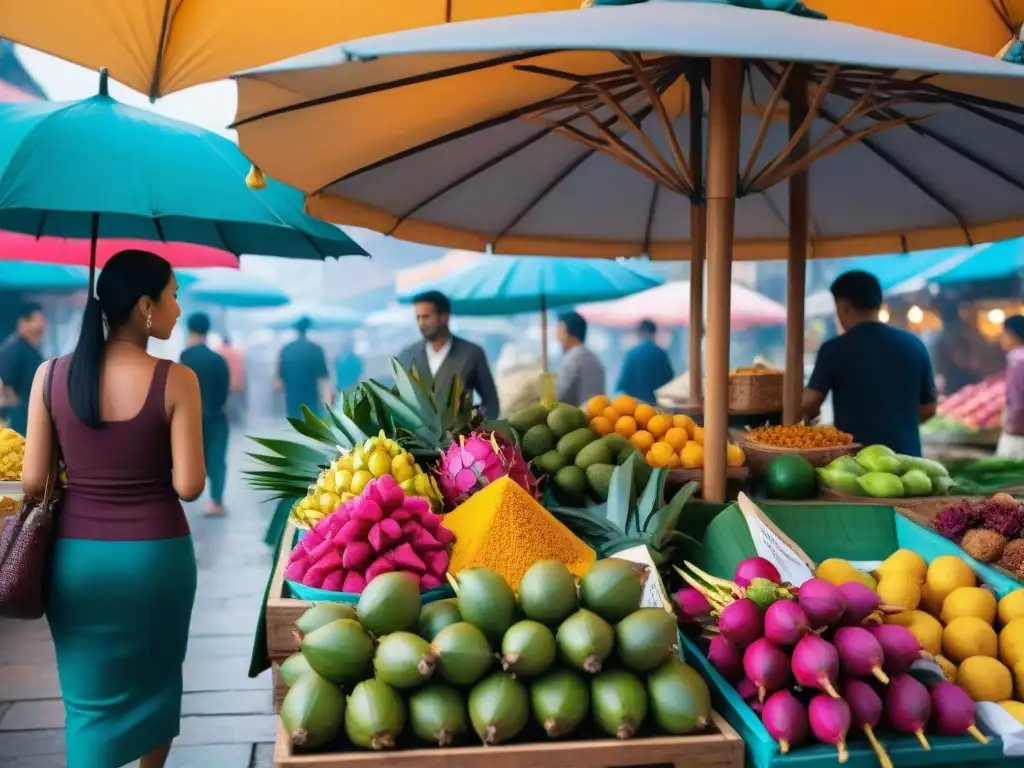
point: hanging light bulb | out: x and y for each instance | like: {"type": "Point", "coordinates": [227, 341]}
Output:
{"type": "Point", "coordinates": [915, 315]}
{"type": "Point", "coordinates": [996, 316]}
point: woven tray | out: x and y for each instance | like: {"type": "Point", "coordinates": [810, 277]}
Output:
{"type": "Point", "coordinates": [924, 508]}
{"type": "Point", "coordinates": [759, 456]}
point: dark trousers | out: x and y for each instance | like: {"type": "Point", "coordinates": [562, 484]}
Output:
{"type": "Point", "coordinates": [215, 449]}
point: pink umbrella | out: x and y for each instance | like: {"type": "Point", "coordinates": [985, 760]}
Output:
{"type": "Point", "coordinates": [58, 250]}
{"type": "Point", "coordinates": [668, 305]}
{"type": "Point", "coordinates": [10, 93]}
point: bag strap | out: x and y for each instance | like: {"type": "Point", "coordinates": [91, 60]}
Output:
{"type": "Point", "coordinates": [53, 474]}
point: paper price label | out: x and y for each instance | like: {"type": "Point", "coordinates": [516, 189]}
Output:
{"type": "Point", "coordinates": [772, 548]}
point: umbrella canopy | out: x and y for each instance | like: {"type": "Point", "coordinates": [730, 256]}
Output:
{"type": "Point", "coordinates": [77, 252]}
{"type": "Point", "coordinates": [411, 278]}
{"type": "Point", "coordinates": [100, 169]}
{"type": "Point", "coordinates": [54, 278]}
{"type": "Point", "coordinates": [668, 305]}
{"type": "Point", "coordinates": [508, 285]}
{"type": "Point", "coordinates": [992, 261]}
{"type": "Point", "coordinates": [158, 46]}
{"type": "Point", "coordinates": [236, 290]}
{"type": "Point", "coordinates": [322, 316]}
{"type": "Point", "coordinates": [542, 139]}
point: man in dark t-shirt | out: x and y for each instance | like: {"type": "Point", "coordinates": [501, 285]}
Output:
{"type": "Point", "coordinates": [214, 385]}
{"type": "Point", "coordinates": [302, 374]}
{"type": "Point", "coordinates": [880, 377]}
{"type": "Point", "coordinates": [19, 360]}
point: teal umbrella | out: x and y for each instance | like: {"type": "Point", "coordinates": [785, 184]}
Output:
{"type": "Point", "coordinates": [33, 277]}
{"type": "Point", "coordinates": [321, 316]}
{"type": "Point", "coordinates": [235, 290]}
{"type": "Point", "coordinates": [991, 261]}
{"type": "Point", "coordinates": [97, 168]}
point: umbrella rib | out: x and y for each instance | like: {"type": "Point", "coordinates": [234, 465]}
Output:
{"type": "Point", "coordinates": [165, 28]}
{"type": "Point", "coordinates": [368, 90]}
{"type": "Point", "coordinates": [651, 208]}
{"type": "Point", "coordinates": [907, 174]}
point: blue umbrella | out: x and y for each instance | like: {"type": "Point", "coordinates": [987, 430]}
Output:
{"type": "Point", "coordinates": [507, 285]}
{"type": "Point", "coordinates": [322, 316]}
{"type": "Point", "coordinates": [33, 277]}
{"type": "Point", "coordinates": [991, 261]}
{"type": "Point", "coordinates": [97, 168]}
{"type": "Point", "coordinates": [236, 290]}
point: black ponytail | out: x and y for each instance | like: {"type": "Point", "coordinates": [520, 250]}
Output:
{"type": "Point", "coordinates": [127, 277]}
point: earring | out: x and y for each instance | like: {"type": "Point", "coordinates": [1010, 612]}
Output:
{"type": "Point", "coordinates": [149, 322]}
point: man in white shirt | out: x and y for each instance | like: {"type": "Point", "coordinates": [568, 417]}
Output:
{"type": "Point", "coordinates": [440, 357]}
{"type": "Point", "coordinates": [582, 376]}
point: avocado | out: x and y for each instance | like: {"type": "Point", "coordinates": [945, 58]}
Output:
{"type": "Point", "coordinates": [563, 419]}
{"type": "Point", "coordinates": [530, 416]}
{"type": "Point", "coordinates": [575, 442]}
{"type": "Point", "coordinates": [599, 480]}
{"type": "Point", "coordinates": [549, 463]}
{"type": "Point", "coordinates": [595, 453]}
{"type": "Point", "coordinates": [790, 477]}
{"type": "Point", "coordinates": [537, 440]}
{"type": "Point", "coordinates": [570, 485]}
{"type": "Point", "coordinates": [617, 444]}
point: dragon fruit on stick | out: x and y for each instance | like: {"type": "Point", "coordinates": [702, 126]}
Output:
{"type": "Point", "coordinates": [475, 461]}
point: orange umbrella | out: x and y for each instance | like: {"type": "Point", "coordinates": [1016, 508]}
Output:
{"type": "Point", "coordinates": [161, 46]}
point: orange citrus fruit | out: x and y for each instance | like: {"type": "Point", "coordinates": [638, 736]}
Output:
{"type": "Point", "coordinates": [698, 435]}
{"type": "Point", "coordinates": [692, 455]}
{"type": "Point", "coordinates": [624, 405]}
{"type": "Point", "coordinates": [642, 441]}
{"type": "Point", "coordinates": [602, 425]}
{"type": "Point", "coordinates": [734, 456]}
{"type": "Point", "coordinates": [643, 414]}
{"type": "Point", "coordinates": [674, 462]}
{"type": "Point", "coordinates": [660, 455]}
{"type": "Point", "coordinates": [677, 438]}
{"type": "Point", "coordinates": [659, 425]}
{"type": "Point", "coordinates": [683, 421]}
{"type": "Point", "coordinates": [626, 426]}
{"type": "Point", "coordinates": [596, 405]}
{"type": "Point", "coordinates": [611, 414]}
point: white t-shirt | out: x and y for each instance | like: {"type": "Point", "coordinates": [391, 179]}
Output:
{"type": "Point", "coordinates": [436, 357]}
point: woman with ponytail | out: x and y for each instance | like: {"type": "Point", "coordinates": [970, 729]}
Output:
{"type": "Point", "coordinates": [129, 428]}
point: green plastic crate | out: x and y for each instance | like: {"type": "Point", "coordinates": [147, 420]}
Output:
{"type": "Point", "coordinates": [857, 532]}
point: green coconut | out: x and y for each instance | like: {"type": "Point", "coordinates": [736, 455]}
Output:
{"type": "Point", "coordinates": [436, 616]}
{"type": "Point", "coordinates": [374, 715]}
{"type": "Point", "coordinates": [312, 712]}
{"type": "Point", "coordinates": [462, 653]}
{"type": "Point", "coordinates": [403, 660]}
{"type": "Point", "coordinates": [547, 592]}
{"type": "Point", "coordinates": [679, 698]}
{"type": "Point", "coordinates": [559, 701]}
{"type": "Point", "coordinates": [619, 702]}
{"type": "Point", "coordinates": [612, 588]}
{"type": "Point", "coordinates": [527, 649]}
{"type": "Point", "coordinates": [293, 668]}
{"type": "Point", "coordinates": [646, 639]}
{"type": "Point", "coordinates": [340, 651]}
{"type": "Point", "coordinates": [438, 714]}
{"type": "Point", "coordinates": [499, 708]}
{"type": "Point", "coordinates": [320, 614]}
{"type": "Point", "coordinates": [584, 641]}
{"type": "Point", "coordinates": [486, 601]}
{"type": "Point", "coordinates": [390, 603]}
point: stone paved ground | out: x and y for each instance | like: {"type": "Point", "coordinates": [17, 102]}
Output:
{"type": "Point", "coordinates": [228, 719]}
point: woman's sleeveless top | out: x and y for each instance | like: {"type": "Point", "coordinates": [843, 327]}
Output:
{"type": "Point", "coordinates": [119, 475]}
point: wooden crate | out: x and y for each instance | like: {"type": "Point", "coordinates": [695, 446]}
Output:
{"type": "Point", "coordinates": [282, 613]}
{"type": "Point", "coordinates": [720, 748]}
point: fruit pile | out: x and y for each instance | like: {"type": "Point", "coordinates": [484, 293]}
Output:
{"type": "Point", "coordinates": [12, 454]}
{"type": "Point", "coordinates": [380, 531]}
{"type": "Point", "coordinates": [989, 530]}
{"type": "Point", "coordinates": [799, 436]}
{"type": "Point", "coordinates": [877, 471]}
{"type": "Point", "coordinates": [813, 661]}
{"type": "Point", "coordinates": [350, 473]}
{"type": "Point", "coordinates": [977, 406]}
{"type": "Point", "coordinates": [488, 664]}
{"type": "Point", "coordinates": [665, 440]}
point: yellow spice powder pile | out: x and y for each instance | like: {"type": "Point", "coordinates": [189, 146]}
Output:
{"type": "Point", "coordinates": [505, 529]}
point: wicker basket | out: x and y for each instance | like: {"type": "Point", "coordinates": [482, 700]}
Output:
{"type": "Point", "coordinates": [755, 392]}
{"type": "Point", "coordinates": [759, 456]}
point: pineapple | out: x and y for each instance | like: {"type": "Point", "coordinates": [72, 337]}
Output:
{"type": "Point", "coordinates": [627, 521]}
{"type": "Point", "coordinates": [409, 428]}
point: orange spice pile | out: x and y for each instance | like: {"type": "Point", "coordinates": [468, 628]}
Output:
{"type": "Point", "coordinates": [799, 436]}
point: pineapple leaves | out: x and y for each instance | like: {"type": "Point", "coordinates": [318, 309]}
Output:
{"type": "Point", "coordinates": [312, 427]}
{"type": "Point", "coordinates": [413, 392]}
{"type": "Point", "coordinates": [620, 495]}
{"type": "Point", "coordinates": [650, 500]}
{"type": "Point", "coordinates": [349, 428]}
{"type": "Point", "coordinates": [297, 453]}
{"type": "Point", "coordinates": [668, 516]}
{"type": "Point", "coordinates": [271, 460]}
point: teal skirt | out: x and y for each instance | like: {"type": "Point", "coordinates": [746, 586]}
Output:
{"type": "Point", "coordinates": [119, 613]}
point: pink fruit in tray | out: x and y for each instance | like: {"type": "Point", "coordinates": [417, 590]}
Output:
{"type": "Point", "coordinates": [785, 718]}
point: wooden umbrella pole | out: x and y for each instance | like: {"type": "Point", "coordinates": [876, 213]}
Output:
{"type": "Point", "coordinates": [697, 235]}
{"type": "Point", "coordinates": [796, 269]}
{"type": "Point", "coordinates": [723, 165]}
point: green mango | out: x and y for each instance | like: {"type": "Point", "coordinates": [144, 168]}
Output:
{"type": "Point", "coordinates": [847, 465]}
{"type": "Point", "coordinates": [838, 480]}
{"type": "Point", "coordinates": [879, 458]}
{"type": "Point", "coordinates": [930, 467]}
{"type": "Point", "coordinates": [916, 483]}
{"type": "Point", "coordinates": [881, 485]}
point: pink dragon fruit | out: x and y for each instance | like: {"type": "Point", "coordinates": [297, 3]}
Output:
{"type": "Point", "coordinates": [475, 461]}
